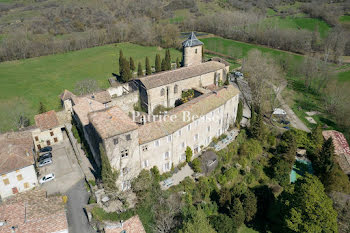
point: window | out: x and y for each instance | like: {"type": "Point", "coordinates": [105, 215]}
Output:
{"type": "Point", "coordinates": [51, 133]}
{"type": "Point", "coordinates": [179, 132]}
{"type": "Point", "coordinates": [195, 51]}
{"type": "Point", "coordinates": [14, 190]}
{"type": "Point", "coordinates": [55, 139]}
{"type": "Point", "coordinates": [115, 141]}
{"type": "Point", "coordinates": [196, 137]}
{"type": "Point", "coordinates": [166, 167]}
{"type": "Point", "coordinates": [169, 138]}
{"type": "Point", "coordinates": [26, 185]}
{"type": "Point", "coordinates": [6, 181]}
{"type": "Point", "coordinates": [36, 138]}
{"type": "Point", "coordinates": [162, 92]}
{"type": "Point", "coordinates": [19, 177]}
{"type": "Point", "coordinates": [128, 137]}
{"type": "Point", "coordinates": [126, 185]}
{"type": "Point", "coordinates": [183, 145]}
{"type": "Point", "coordinates": [145, 163]}
{"type": "Point", "coordinates": [212, 113]}
{"type": "Point", "coordinates": [208, 128]}
{"type": "Point", "coordinates": [197, 122]}
{"type": "Point", "coordinates": [166, 155]}
{"type": "Point", "coordinates": [48, 142]}
{"type": "Point", "coordinates": [125, 171]}
{"type": "Point", "coordinates": [189, 127]}
{"type": "Point", "coordinates": [156, 143]}
{"type": "Point", "coordinates": [124, 153]}
{"type": "Point", "coordinates": [145, 148]}
{"type": "Point", "coordinates": [39, 147]}
{"type": "Point", "coordinates": [220, 122]}
{"type": "Point", "coordinates": [176, 88]}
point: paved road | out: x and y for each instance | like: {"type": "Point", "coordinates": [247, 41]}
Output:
{"type": "Point", "coordinates": [78, 197]}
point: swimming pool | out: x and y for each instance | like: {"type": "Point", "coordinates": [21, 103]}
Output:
{"type": "Point", "coordinates": [299, 168]}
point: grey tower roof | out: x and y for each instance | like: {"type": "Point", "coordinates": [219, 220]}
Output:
{"type": "Point", "coordinates": [192, 41]}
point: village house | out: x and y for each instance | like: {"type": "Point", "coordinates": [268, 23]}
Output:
{"type": "Point", "coordinates": [17, 163]}
{"type": "Point", "coordinates": [33, 212]}
{"type": "Point", "coordinates": [132, 144]}
{"type": "Point", "coordinates": [48, 131]}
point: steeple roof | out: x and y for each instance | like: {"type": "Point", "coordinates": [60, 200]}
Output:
{"type": "Point", "coordinates": [192, 41]}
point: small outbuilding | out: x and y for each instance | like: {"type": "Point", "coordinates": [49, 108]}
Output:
{"type": "Point", "coordinates": [209, 161]}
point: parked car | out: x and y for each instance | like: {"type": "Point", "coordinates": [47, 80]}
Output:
{"type": "Point", "coordinates": [47, 178]}
{"type": "Point", "coordinates": [45, 162]}
{"type": "Point", "coordinates": [45, 149]}
{"type": "Point", "coordinates": [45, 156]}
{"type": "Point", "coordinates": [238, 74]}
{"type": "Point", "coordinates": [286, 127]}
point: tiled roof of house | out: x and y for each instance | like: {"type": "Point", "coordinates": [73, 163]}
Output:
{"type": "Point", "coordinates": [83, 106]}
{"type": "Point", "coordinates": [167, 77]}
{"type": "Point", "coordinates": [33, 212]}
{"type": "Point", "coordinates": [132, 225]}
{"type": "Point", "coordinates": [66, 95]}
{"type": "Point", "coordinates": [198, 106]}
{"type": "Point", "coordinates": [192, 41]}
{"type": "Point", "coordinates": [47, 120]}
{"type": "Point", "coordinates": [111, 121]}
{"type": "Point", "coordinates": [16, 151]}
{"type": "Point", "coordinates": [101, 96]}
{"type": "Point", "coordinates": [341, 148]}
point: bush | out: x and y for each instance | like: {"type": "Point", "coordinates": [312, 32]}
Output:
{"type": "Point", "coordinates": [196, 165]}
{"type": "Point", "coordinates": [231, 174]}
{"type": "Point", "coordinates": [188, 154]}
{"type": "Point", "coordinates": [251, 149]}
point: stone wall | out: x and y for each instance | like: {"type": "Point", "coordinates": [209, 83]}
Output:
{"type": "Point", "coordinates": [125, 102]}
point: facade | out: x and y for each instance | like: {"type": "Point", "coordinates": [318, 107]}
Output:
{"type": "Point", "coordinates": [142, 142]}
{"type": "Point", "coordinates": [48, 131]}
{"type": "Point", "coordinates": [17, 163]}
{"type": "Point", "coordinates": [33, 212]}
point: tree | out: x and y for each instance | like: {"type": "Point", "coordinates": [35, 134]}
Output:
{"type": "Point", "coordinates": [139, 70]}
{"type": "Point", "coordinates": [197, 223]}
{"type": "Point", "coordinates": [188, 153]}
{"type": "Point", "coordinates": [109, 177]}
{"type": "Point", "coordinates": [167, 60]}
{"type": "Point", "coordinates": [317, 138]}
{"type": "Point", "coordinates": [148, 67]}
{"type": "Point", "coordinates": [157, 64]}
{"type": "Point", "coordinates": [163, 65]}
{"type": "Point", "coordinates": [256, 123]}
{"type": "Point", "coordinates": [307, 208]}
{"type": "Point", "coordinates": [142, 184]}
{"type": "Point", "coordinates": [132, 64]}
{"type": "Point", "coordinates": [239, 113]}
{"type": "Point", "coordinates": [178, 65]}
{"type": "Point", "coordinates": [125, 73]}
{"type": "Point", "coordinates": [237, 212]}
{"type": "Point", "coordinates": [223, 223]}
{"type": "Point", "coordinates": [42, 108]}
{"type": "Point", "coordinates": [121, 57]}
{"type": "Point", "coordinates": [196, 165]}
{"type": "Point", "coordinates": [324, 162]}
{"type": "Point", "coordinates": [249, 203]}
{"type": "Point", "coordinates": [86, 86]}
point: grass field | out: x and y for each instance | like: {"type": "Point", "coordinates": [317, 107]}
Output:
{"type": "Point", "coordinates": [345, 18]}
{"type": "Point", "coordinates": [344, 76]}
{"type": "Point", "coordinates": [44, 78]}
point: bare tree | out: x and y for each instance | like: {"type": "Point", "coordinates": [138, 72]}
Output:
{"type": "Point", "coordinates": [86, 86]}
{"type": "Point", "coordinates": [14, 114]}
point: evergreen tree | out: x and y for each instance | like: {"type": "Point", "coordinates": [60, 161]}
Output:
{"type": "Point", "coordinates": [109, 176]}
{"type": "Point", "coordinates": [148, 67]}
{"type": "Point", "coordinates": [249, 203]}
{"type": "Point", "coordinates": [121, 57]}
{"type": "Point", "coordinates": [125, 71]}
{"type": "Point", "coordinates": [188, 153]}
{"type": "Point", "coordinates": [163, 65]}
{"type": "Point", "coordinates": [167, 60]}
{"type": "Point", "coordinates": [324, 164]}
{"type": "Point", "coordinates": [239, 113]}
{"type": "Point", "coordinates": [178, 65]}
{"type": "Point", "coordinates": [256, 123]}
{"type": "Point", "coordinates": [132, 64]}
{"type": "Point", "coordinates": [223, 223]}
{"type": "Point", "coordinates": [42, 108]}
{"type": "Point", "coordinates": [237, 212]}
{"type": "Point", "coordinates": [197, 223]}
{"type": "Point", "coordinates": [317, 138]}
{"type": "Point", "coordinates": [139, 70]}
{"type": "Point", "coordinates": [157, 64]}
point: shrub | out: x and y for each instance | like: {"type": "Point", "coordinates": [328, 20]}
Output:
{"type": "Point", "coordinates": [188, 153]}
{"type": "Point", "coordinates": [231, 174]}
{"type": "Point", "coordinates": [222, 179]}
{"type": "Point", "coordinates": [251, 149]}
{"type": "Point", "coordinates": [196, 165]}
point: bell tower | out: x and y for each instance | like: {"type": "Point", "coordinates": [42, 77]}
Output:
{"type": "Point", "coordinates": [192, 51]}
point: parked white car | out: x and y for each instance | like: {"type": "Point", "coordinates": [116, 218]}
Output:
{"type": "Point", "coordinates": [47, 178]}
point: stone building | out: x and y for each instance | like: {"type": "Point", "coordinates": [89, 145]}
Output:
{"type": "Point", "coordinates": [160, 140]}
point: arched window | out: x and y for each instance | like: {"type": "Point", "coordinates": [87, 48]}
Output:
{"type": "Point", "coordinates": [176, 88]}
{"type": "Point", "coordinates": [162, 92]}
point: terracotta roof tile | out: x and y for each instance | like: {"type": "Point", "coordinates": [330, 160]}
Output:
{"type": "Point", "coordinates": [132, 225]}
{"type": "Point", "coordinates": [83, 106]}
{"type": "Point", "coordinates": [167, 77]}
{"type": "Point", "coordinates": [198, 106]}
{"type": "Point", "coordinates": [47, 120]}
{"type": "Point", "coordinates": [111, 121]}
{"type": "Point", "coordinates": [16, 151]}
{"type": "Point", "coordinates": [33, 212]}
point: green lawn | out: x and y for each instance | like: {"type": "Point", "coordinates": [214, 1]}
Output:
{"type": "Point", "coordinates": [301, 23]}
{"type": "Point", "coordinates": [344, 18]}
{"type": "Point", "coordinates": [344, 76]}
{"type": "Point", "coordinates": [44, 78]}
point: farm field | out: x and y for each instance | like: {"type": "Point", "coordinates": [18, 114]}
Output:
{"type": "Point", "coordinates": [44, 78]}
